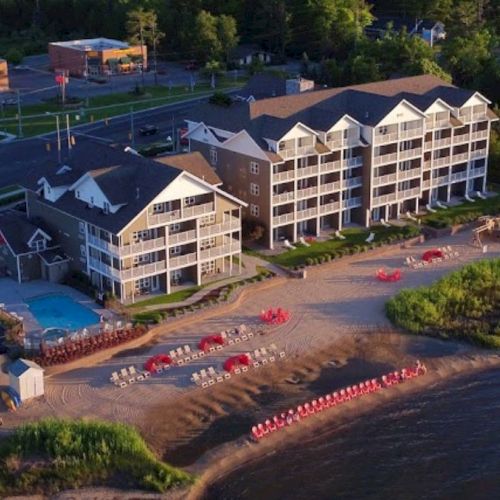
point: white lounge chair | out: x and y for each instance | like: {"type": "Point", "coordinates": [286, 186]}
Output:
{"type": "Point", "coordinates": [384, 223]}
{"type": "Point", "coordinates": [211, 371]}
{"type": "Point", "coordinates": [370, 238]}
{"type": "Point", "coordinates": [339, 235]}
{"type": "Point", "coordinates": [410, 216]}
{"type": "Point", "coordinates": [114, 379]}
{"type": "Point", "coordinates": [480, 195]}
{"type": "Point", "coordinates": [441, 204]}
{"type": "Point", "coordinates": [133, 372]}
{"type": "Point", "coordinates": [304, 242]}
{"type": "Point", "coordinates": [430, 209]}
{"type": "Point", "coordinates": [124, 373]}
{"type": "Point", "coordinates": [288, 245]}
{"type": "Point", "coordinates": [408, 262]}
{"type": "Point", "coordinates": [173, 354]}
{"type": "Point", "coordinates": [180, 352]}
{"type": "Point", "coordinates": [468, 198]}
{"type": "Point", "coordinates": [196, 378]}
{"type": "Point", "coordinates": [203, 373]}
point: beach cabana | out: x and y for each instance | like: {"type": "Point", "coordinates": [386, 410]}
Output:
{"type": "Point", "coordinates": [26, 379]}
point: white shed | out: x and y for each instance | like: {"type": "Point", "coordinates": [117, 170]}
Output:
{"type": "Point", "coordinates": [26, 378]}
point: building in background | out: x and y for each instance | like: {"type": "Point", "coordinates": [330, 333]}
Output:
{"type": "Point", "coordinates": [319, 160]}
{"type": "Point", "coordinates": [97, 56]}
{"type": "Point", "coordinates": [4, 75]}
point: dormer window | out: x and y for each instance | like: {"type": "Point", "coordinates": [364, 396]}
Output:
{"type": "Point", "coordinates": [38, 245]}
{"type": "Point", "coordinates": [105, 207]}
{"type": "Point", "coordinates": [77, 194]}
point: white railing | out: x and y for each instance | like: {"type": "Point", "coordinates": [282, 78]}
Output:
{"type": "Point", "coordinates": [189, 212]}
{"type": "Point", "coordinates": [283, 219]}
{"type": "Point", "coordinates": [385, 198]}
{"type": "Point", "coordinates": [103, 245]}
{"type": "Point", "coordinates": [223, 227]}
{"type": "Point", "coordinates": [345, 141]}
{"type": "Point", "coordinates": [357, 161]}
{"type": "Point", "coordinates": [439, 162]}
{"type": "Point", "coordinates": [103, 268]}
{"type": "Point", "coordinates": [329, 187]}
{"type": "Point", "coordinates": [440, 181]}
{"type": "Point", "coordinates": [379, 160]}
{"type": "Point", "coordinates": [479, 116]}
{"type": "Point", "coordinates": [427, 164]}
{"type": "Point", "coordinates": [428, 145]}
{"type": "Point", "coordinates": [185, 213]}
{"type": "Point", "coordinates": [182, 260]}
{"type": "Point", "coordinates": [283, 197]}
{"type": "Point", "coordinates": [408, 193]}
{"type": "Point", "coordinates": [329, 207]}
{"type": "Point", "coordinates": [413, 132]}
{"type": "Point", "coordinates": [440, 143]}
{"type": "Point", "coordinates": [410, 153]}
{"type": "Point", "coordinates": [211, 253]}
{"type": "Point", "coordinates": [287, 175]}
{"type": "Point", "coordinates": [442, 123]}
{"type": "Point", "coordinates": [307, 213]}
{"type": "Point", "coordinates": [144, 270]}
{"type": "Point", "coordinates": [458, 139]}
{"type": "Point", "coordinates": [426, 184]}
{"type": "Point", "coordinates": [330, 166]}
{"type": "Point", "coordinates": [307, 192]}
{"type": "Point", "coordinates": [409, 174]}
{"type": "Point", "coordinates": [480, 134]}
{"type": "Point", "coordinates": [384, 179]}
{"type": "Point", "coordinates": [353, 182]}
{"type": "Point", "coordinates": [385, 138]}
{"type": "Point", "coordinates": [460, 157]}
{"type": "Point", "coordinates": [478, 153]}
{"type": "Point", "coordinates": [178, 238]}
{"type": "Point", "coordinates": [307, 171]}
{"type": "Point", "coordinates": [298, 151]}
{"type": "Point", "coordinates": [142, 246]}
{"type": "Point", "coordinates": [306, 150]}
{"type": "Point", "coordinates": [458, 176]}
{"type": "Point", "coordinates": [352, 202]}
{"type": "Point", "coordinates": [475, 172]}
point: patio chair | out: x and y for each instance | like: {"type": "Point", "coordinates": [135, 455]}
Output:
{"type": "Point", "coordinates": [480, 195]}
{"type": "Point", "coordinates": [203, 373]}
{"type": "Point", "coordinates": [339, 235]}
{"type": "Point", "coordinates": [288, 245]}
{"type": "Point", "coordinates": [173, 354]}
{"type": "Point", "coordinates": [441, 205]}
{"type": "Point", "coordinates": [211, 371]}
{"type": "Point", "coordinates": [250, 335]}
{"type": "Point", "coordinates": [114, 379]}
{"type": "Point", "coordinates": [468, 198]}
{"type": "Point", "coordinates": [408, 262]}
{"type": "Point", "coordinates": [430, 209]}
{"type": "Point", "coordinates": [304, 242]}
{"type": "Point", "coordinates": [124, 373]}
{"type": "Point", "coordinates": [384, 223]}
{"type": "Point", "coordinates": [195, 377]}
{"type": "Point", "coordinates": [180, 352]}
{"type": "Point", "coordinates": [219, 378]}
{"type": "Point", "coordinates": [226, 375]}
{"type": "Point", "coordinates": [282, 354]}
{"type": "Point", "coordinates": [370, 238]}
{"type": "Point", "coordinates": [122, 384]}
{"type": "Point", "coordinates": [133, 371]}
{"type": "Point", "coordinates": [242, 329]}
{"type": "Point", "coordinates": [237, 371]}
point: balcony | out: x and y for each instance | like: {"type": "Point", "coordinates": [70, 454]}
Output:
{"type": "Point", "coordinates": [352, 202]}
{"type": "Point", "coordinates": [354, 162]}
{"type": "Point", "coordinates": [442, 123]}
{"type": "Point", "coordinates": [428, 145]}
{"type": "Point", "coordinates": [331, 166]}
{"type": "Point", "coordinates": [176, 215]}
{"type": "Point", "coordinates": [476, 172]}
{"type": "Point", "coordinates": [389, 158]}
{"type": "Point", "coordinates": [440, 181]}
{"type": "Point", "coordinates": [103, 245]}
{"type": "Point", "coordinates": [180, 238]}
{"type": "Point", "coordinates": [219, 251]}
{"type": "Point", "coordinates": [307, 192]}
{"type": "Point", "coordinates": [460, 139]}
{"type": "Point", "coordinates": [344, 142]}
{"type": "Point", "coordinates": [283, 198]}
{"type": "Point", "coordinates": [384, 179]}
{"type": "Point", "coordinates": [182, 260]}
{"type": "Point", "coordinates": [142, 247]}
{"type": "Point", "coordinates": [278, 220]}
{"type": "Point", "coordinates": [409, 193]}
{"type": "Point", "coordinates": [476, 117]}
{"type": "Point", "coordinates": [103, 268]}
{"type": "Point", "coordinates": [408, 134]}
{"type": "Point", "coordinates": [298, 151]}
{"type": "Point", "coordinates": [410, 153]}
{"type": "Point", "coordinates": [287, 175]}
{"type": "Point", "coordinates": [353, 182]}
{"type": "Point", "coordinates": [330, 187]}
{"type": "Point", "coordinates": [440, 162]}
{"type": "Point", "coordinates": [143, 270]}
{"type": "Point", "coordinates": [409, 174]}
{"type": "Point", "coordinates": [427, 164]}
{"type": "Point", "coordinates": [441, 143]}
{"type": "Point", "coordinates": [479, 153]}
{"type": "Point", "coordinates": [384, 199]}
{"type": "Point", "coordinates": [458, 176]}
{"type": "Point", "coordinates": [307, 213]}
{"type": "Point", "coordinates": [386, 138]}
{"type": "Point", "coordinates": [329, 208]}
{"type": "Point", "coordinates": [460, 157]}
{"type": "Point", "coordinates": [480, 134]}
{"type": "Point", "coordinates": [228, 226]}
{"type": "Point", "coordinates": [307, 171]}
{"type": "Point", "coordinates": [426, 184]}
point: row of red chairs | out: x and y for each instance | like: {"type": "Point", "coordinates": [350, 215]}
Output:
{"type": "Point", "coordinates": [333, 399]}
{"type": "Point", "coordinates": [275, 316]}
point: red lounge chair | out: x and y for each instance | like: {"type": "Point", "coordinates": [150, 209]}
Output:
{"type": "Point", "coordinates": [301, 410]}
{"type": "Point", "coordinates": [433, 254]}
{"type": "Point", "coordinates": [322, 403]}
{"type": "Point", "coordinates": [270, 425]}
{"type": "Point", "coordinates": [280, 422]}
{"type": "Point", "coordinates": [263, 429]}
{"type": "Point", "coordinates": [257, 434]}
{"type": "Point", "coordinates": [329, 401]}
{"type": "Point", "coordinates": [309, 409]}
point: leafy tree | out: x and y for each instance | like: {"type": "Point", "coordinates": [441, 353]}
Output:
{"type": "Point", "coordinates": [227, 33]}
{"type": "Point", "coordinates": [207, 41]}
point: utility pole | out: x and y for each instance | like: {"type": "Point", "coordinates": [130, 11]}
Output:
{"type": "Point", "coordinates": [68, 133]}
{"type": "Point", "coordinates": [58, 139]}
{"type": "Point", "coordinates": [132, 132]}
{"type": "Point", "coordinates": [154, 53]}
{"type": "Point", "coordinates": [19, 117]}
{"type": "Point", "coordinates": [142, 52]}
{"type": "Point", "coordinates": [86, 79]}
{"type": "Point", "coordinates": [173, 134]}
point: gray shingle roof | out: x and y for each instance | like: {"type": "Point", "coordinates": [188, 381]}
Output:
{"type": "Point", "coordinates": [17, 231]}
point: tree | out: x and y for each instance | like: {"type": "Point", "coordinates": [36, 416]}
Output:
{"type": "Point", "coordinates": [142, 27]}
{"type": "Point", "coordinates": [207, 43]}
{"type": "Point", "coordinates": [227, 34]}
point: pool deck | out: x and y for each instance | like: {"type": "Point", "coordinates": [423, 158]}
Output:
{"type": "Point", "coordinates": [14, 295]}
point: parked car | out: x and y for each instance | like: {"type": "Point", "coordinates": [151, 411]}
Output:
{"type": "Point", "coordinates": [148, 130]}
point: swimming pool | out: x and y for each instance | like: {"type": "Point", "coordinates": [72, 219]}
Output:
{"type": "Point", "coordinates": [61, 311]}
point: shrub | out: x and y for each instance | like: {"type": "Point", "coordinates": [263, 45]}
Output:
{"type": "Point", "coordinates": [14, 55]}
{"type": "Point", "coordinates": [309, 261]}
{"type": "Point", "coordinates": [220, 99]}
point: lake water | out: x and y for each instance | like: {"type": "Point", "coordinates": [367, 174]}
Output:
{"type": "Point", "coordinates": [443, 444]}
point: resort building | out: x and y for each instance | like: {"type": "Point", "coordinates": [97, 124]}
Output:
{"type": "Point", "coordinates": [136, 226]}
{"type": "Point", "coordinates": [97, 56]}
{"type": "Point", "coordinates": [4, 75]}
{"type": "Point", "coordinates": [322, 159]}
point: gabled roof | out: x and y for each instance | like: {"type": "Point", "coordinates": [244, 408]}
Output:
{"type": "Point", "coordinates": [21, 366]}
{"type": "Point", "coordinates": [18, 232]}
{"type": "Point", "coordinates": [193, 163]}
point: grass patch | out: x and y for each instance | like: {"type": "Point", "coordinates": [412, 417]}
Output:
{"type": "Point", "coordinates": [464, 305]}
{"type": "Point", "coordinates": [178, 296]}
{"type": "Point", "coordinates": [354, 242]}
{"type": "Point", "coordinates": [461, 214]}
{"type": "Point", "coordinates": [9, 189]}
{"type": "Point", "coordinates": [51, 455]}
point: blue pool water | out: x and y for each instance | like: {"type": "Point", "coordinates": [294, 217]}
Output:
{"type": "Point", "coordinates": [61, 311]}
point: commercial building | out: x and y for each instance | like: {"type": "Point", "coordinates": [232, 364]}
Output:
{"type": "Point", "coordinates": [4, 75]}
{"type": "Point", "coordinates": [97, 56]}
{"type": "Point", "coordinates": [136, 226]}
{"type": "Point", "coordinates": [322, 159]}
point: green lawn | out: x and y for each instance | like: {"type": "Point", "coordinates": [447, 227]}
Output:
{"type": "Point", "coordinates": [35, 119]}
{"type": "Point", "coordinates": [178, 296]}
{"type": "Point", "coordinates": [354, 237]}
{"type": "Point", "coordinates": [9, 189]}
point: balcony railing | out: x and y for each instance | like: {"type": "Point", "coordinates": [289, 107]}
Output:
{"type": "Point", "coordinates": [344, 142]}
{"type": "Point", "coordinates": [384, 179]}
{"type": "Point", "coordinates": [480, 134]}
{"type": "Point", "coordinates": [413, 132]}
{"type": "Point", "coordinates": [427, 164]}
{"type": "Point", "coordinates": [283, 198]}
{"type": "Point", "coordinates": [389, 158]}
{"type": "Point", "coordinates": [283, 219]}
{"type": "Point", "coordinates": [410, 153]}
{"type": "Point", "coordinates": [475, 172]}
{"type": "Point", "coordinates": [286, 175]}
{"type": "Point", "coordinates": [103, 245]}
{"type": "Point", "coordinates": [439, 162]}
{"type": "Point", "coordinates": [233, 224]}
{"type": "Point", "coordinates": [307, 192]}
{"type": "Point", "coordinates": [460, 157]}
{"type": "Point", "coordinates": [183, 237]}
{"type": "Point", "coordinates": [214, 252]}
{"type": "Point", "coordinates": [331, 166]}
{"type": "Point", "coordinates": [352, 202]}
{"type": "Point", "coordinates": [458, 176]}
{"type": "Point", "coordinates": [103, 268]}
{"type": "Point", "coordinates": [440, 181]}
{"type": "Point", "coordinates": [307, 171]}
{"type": "Point", "coordinates": [307, 213]}
{"type": "Point", "coordinates": [385, 198]}
{"type": "Point", "coordinates": [409, 193]}
{"type": "Point", "coordinates": [353, 182]}
{"type": "Point", "coordinates": [298, 151]}
{"type": "Point", "coordinates": [428, 145]}
{"type": "Point", "coordinates": [409, 174]}
{"type": "Point", "coordinates": [441, 143]}
{"type": "Point", "coordinates": [185, 213]}
{"type": "Point", "coordinates": [461, 138]}
{"type": "Point", "coordinates": [143, 270]}
{"type": "Point", "coordinates": [442, 123]}
{"type": "Point", "coordinates": [354, 162]}
{"type": "Point", "coordinates": [479, 153]}
{"type": "Point", "coordinates": [426, 184]}
{"type": "Point", "coordinates": [385, 138]}
{"type": "Point", "coordinates": [182, 260]}
{"type": "Point", "coordinates": [142, 247]}
{"type": "Point", "coordinates": [329, 187]}
{"type": "Point", "coordinates": [329, 208]}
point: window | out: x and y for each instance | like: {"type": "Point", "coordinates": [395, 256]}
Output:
{"type": "Point", "coordinates": [438, 134]}
{"type": "Point", "coordinates": [383, 130]}
{"type": "Point", "coordinates": [83, 251]}
{"type": "Point", "coordinates": [38, 245]}
{"type": "Point", "coordinates": [81, 227]}
{"type": "Point", "coordinates": [254, 168]}
{"type": "Point", "coordinates": [138, 236]}
{"type": "Point", "coordinates": [207, 243]}
{"type": "Point", "coordinates": [213, 157]}
{"type": "Point", "coordinates": [174, 228]}
{"type": "Point", "coordinates": [175, 250]}
{"type": "Point", "coordinates": [78, 194]}
{"type": "Point", "coordinates": [254, 210]}
{"type": "Point", "coordinates": [302, 162]}
{"type": "Point", "coordinates": [405, 165]}
{"type": "Point", "coordinates": [348, 153]}
{"type": "Point", "coordinates": [207, 220]}
{"type": "Point", "coordinates": [405, 146]}
{"type": "Point", "coordinates": [254, 189]}
{"type": "Point", "coordinates": [190, 200]}
{"type": "Point", "coordinates": [157, 208]}
{"type": "Point", "coordinates": [208, 267]}
{"type": "Point", "coordinates": [106, 207]}
{"type": "Point", "coordinates": [91, 200]}
{"type": "Point", "coordinates": [140, 259]}
{"type": "Point", "coordinates": [142, 284]}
